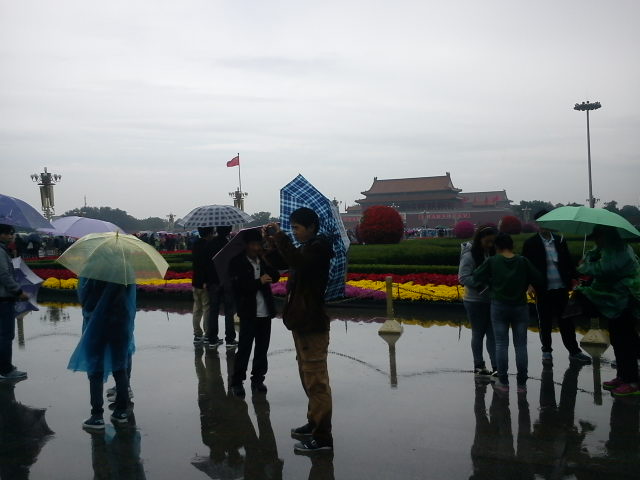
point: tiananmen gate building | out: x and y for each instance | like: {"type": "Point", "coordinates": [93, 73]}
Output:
{"type": "Point", "coordinates": [431, 202]}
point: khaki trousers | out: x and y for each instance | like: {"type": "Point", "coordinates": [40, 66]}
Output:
{"type": "Point", "coordinates": [200, 312]}
{"type": "Point", "coordinates": [311, 350]}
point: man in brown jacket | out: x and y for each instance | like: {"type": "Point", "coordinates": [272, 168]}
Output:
{"type": "Point", "coordinates": [304, 314]}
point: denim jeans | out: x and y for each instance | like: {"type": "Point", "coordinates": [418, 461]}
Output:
{"type": "Point", "coordinates": [7, 334]}
{"type": "Point", "coordinates": [96, 384]}
{"type": "Point", "coordinates": [221, 295]}
{"type": "Point", "coordinates": [517, 316]}
{"type": "Point", "coordinates": [479, 315]}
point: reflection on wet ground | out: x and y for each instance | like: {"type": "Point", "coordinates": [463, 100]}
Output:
{"type": "Point", "coordinates": [404, 407]}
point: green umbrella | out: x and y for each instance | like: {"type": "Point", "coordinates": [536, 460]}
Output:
{"type": "Point", "coordinates": [581, 220]}
{"type": "Point", "coordinates": [114, 257]}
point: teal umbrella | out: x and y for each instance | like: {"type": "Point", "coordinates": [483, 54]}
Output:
{"type": "Point", "coordinates": [581, 220]}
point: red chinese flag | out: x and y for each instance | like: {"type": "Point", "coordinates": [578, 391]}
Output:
{"type": "Point", "coordinates": [234, 162]}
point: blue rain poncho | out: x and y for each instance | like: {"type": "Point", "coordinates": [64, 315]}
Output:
{"type": "Point", "coordinates": [108, 312]}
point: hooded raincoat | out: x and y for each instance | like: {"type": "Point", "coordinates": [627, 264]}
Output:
{"type": "Point", "coordinates": [107, 342]}
{"type": "Point", "coordinates": [616, 280]}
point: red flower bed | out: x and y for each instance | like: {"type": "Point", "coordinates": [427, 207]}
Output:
{"type": "Point", "coordinates": [60, 273]}
{"type": "Point", "coordinates": [177, 275]}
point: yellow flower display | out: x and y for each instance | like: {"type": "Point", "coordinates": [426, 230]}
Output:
{"type": "Point", "coordinates": [401, 291]}
{"type": "Point", "coordinates": [410, 291]}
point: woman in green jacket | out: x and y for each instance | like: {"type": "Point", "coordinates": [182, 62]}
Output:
{"type": "Point", "coordinates": [615, 294]}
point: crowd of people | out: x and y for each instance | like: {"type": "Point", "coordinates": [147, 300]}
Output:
{"type": "Point", "coordinates": [106, 346]}
{"type": "Point", "coordinates": [498, 282]}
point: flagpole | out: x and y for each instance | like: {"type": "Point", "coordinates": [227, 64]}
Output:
{"type": "Point", "coordinates": [239, 176]}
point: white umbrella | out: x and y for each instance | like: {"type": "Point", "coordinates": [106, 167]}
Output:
{"type": "Point", "coordinates": [215, 216]}
{"type": "Point", "coordinates": [78, 227]}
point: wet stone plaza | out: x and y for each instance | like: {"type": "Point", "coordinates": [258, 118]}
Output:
{"type": "Point", "coordinates": [405, 409]}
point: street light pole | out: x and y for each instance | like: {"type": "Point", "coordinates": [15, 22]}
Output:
{"type": "Point", "coordinates": [46, 182]}
{"type": "Point", "coordinates": [587, 107]}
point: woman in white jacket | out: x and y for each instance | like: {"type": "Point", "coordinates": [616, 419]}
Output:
{"type": "Point", "coordinates": [477, 301]}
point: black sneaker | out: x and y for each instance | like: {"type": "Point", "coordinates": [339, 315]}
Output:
{"type": "Point", "coordinates": [258, 387]}
{"type": "Point", "coordinates": [302, 433]}
{"type": "Point", "coordinates": [580, 358]}
{"type": "Point", "coordinates": [312, 446]}
{"type": "Point", "coordinates": [120, 417]}
{"type": "Point", "coordinates": [215, 343]}
{"type": "Point", "coordinates": [197, 340]}
{"type": "Point", "coordinates": [94, 423]}
{"type": "Point", "coordinates": [237, 391]}
{"type": "Point", "coordinates": [231, 343]}
{"type": "Point", "coordinates": [482, 372]}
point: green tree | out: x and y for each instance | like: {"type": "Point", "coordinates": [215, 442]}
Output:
{"type": "Point", "coordinates": [261, 218]}
{"type": "Point", "coordinates": [631, 213]}
{"type": "Point", "coordinates": [120, 218]}
{"type": "Point", "coordinates": [526, 209]}
{"type": "Point", "coordinates": [612, 206]}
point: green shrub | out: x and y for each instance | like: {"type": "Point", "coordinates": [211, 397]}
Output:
{"type": "Point", "coordinates": [403, 269]}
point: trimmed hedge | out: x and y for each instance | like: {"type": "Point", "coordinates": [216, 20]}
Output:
{"type": "Point", "coordinates": [441, 251]}
{"type": "Point", "coordinates": [404, 269]}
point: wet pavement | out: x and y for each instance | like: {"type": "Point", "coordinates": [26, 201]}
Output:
{"type": "Point", "coordinates": [406, 411]}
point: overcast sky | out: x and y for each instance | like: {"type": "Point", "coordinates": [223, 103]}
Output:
{"type": "Point", "coordinates": [140, 104]}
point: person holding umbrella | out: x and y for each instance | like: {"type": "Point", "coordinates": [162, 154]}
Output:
{"type": "Point", "coordinates": [251, 279]}
{"type": "Point", "coordinates": [10, 293]}
{"type": "Point", "coordinates": [108, 265]}
{"type": "Point", "coordinates": [549, 253]}
{"type": "Point", "coordinates": [614, 293]}
{"type": "Point", "coordinates": [202, 255]}
{"type": "Point", "coordinates": [305, 315]}
{"type": "Point", "coordinates": [219, 293]}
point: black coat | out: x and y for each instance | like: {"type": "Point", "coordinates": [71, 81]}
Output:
{"type": "Point", "coordinates": [245, 286]}
{"type": "Point", "coordinates": [534, 250]}
{"type": "Point", "coordinates": [309, 264]}
{"type": "Point", "coordinates": [201, 256]}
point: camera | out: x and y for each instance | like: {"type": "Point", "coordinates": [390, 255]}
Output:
{"type": "Point", "coordinates": [270, 230]}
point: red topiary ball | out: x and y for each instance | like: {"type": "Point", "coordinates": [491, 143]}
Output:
{"type": "Point", "coordinates": [380, 225]}
{"type": "Point", "coordinates": [463, 229]}
{"type": "Point", "coordinates": [511, 225]}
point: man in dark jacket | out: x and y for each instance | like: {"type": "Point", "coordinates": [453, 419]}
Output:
{"type": "Point", "coordinates": [549, 253]}
{"type": "Point", "coordinates": [220, 294]}
{"type": "Point", "coordinates": [202, 255]}
{"type": "Point", "coordinates": [304, 314]}
{"type": "Point", "coordinates": [251, 279]}
{"type": "Point", "coordinates": [10, 293]}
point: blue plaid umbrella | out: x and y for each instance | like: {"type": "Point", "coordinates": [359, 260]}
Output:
{"type": "Point", "coordinates": [300, 193]}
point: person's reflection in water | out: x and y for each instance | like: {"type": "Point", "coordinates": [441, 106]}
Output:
{"type": "Point", "coordinates": [321, 466]}
{"type": "Point", "coordinates": [227, 427]}
{"type": "Point", "coordinates": [115, 453]}
{"type": "Point", "coordinates": [483, 448]}
{"type": "Point", "coordinates": [558, 440]}
{"type": "Point", "coordinates": [623, 447]}
{"type": "Point", "coordinates": [23, 433]}
{"type": "Point", "coordinates": [493, 453]}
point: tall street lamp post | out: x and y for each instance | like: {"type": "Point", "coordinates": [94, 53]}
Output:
{"type": "Point", "coordinates": [46, 181]}
{"type": "Point", "coordinates": [587, 107]}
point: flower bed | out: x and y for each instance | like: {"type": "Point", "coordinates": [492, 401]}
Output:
{"type": "Point", "coordinates": [358, 287]}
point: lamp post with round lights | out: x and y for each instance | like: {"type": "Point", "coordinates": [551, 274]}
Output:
{"type": "Point", "coordinates": [587, 107]}
{"type": "Point", "coordinates": [46, 181]}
